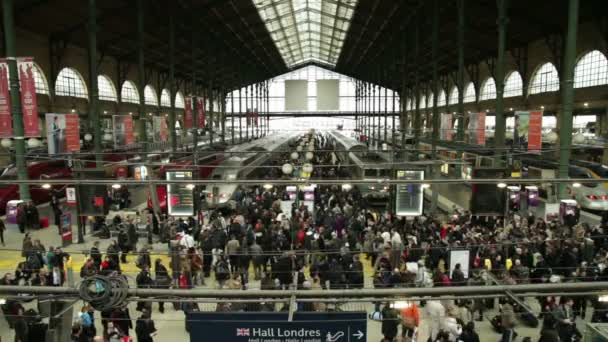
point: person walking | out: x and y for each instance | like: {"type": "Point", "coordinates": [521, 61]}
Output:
{"type": "Point", "coordinates": [162, 280]}
{"type": "Point", "coordinates": [144, 327]}
{"type": "Point", "coordinates": [2, 229]}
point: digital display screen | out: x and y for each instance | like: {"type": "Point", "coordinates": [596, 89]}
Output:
{"type": "Point", "coordinates": [488, 199]}
{"type": "Point", "coordinates": [180, 197]}
{"type": "Point", "coordinates": [409, 199]}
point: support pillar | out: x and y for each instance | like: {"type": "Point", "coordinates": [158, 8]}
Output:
{"type": "Point", "coordinates": [94, 90]}
{"type": "Point", "coordinates": [247, 113]}
{"type": "Point", "coordinates": [211, 98]}
{"type": "Point", "coordinates": [386, 115]}
{"type": "Point", "coordinates": [222, 116]}
{"type": "Point", "coordinates": [393, 123]}
{"type": "Point", "coordinates": [416, 94]}
{"type": "Point", "coordinates": [232, 117]}
{"type": "Point", "coordinates": [172, 87]}
{"type": "Point", "coordinates": [141, 78]}
{"type": "Point", "coordinates": [461, 19]}
{"type": "Point", "coordinates": [240, 118]}
{"type": "Point", "coordinates": [435, 87]}
{"type": "Point", "coordinates": [501, 124]}
{"type": "Point", "coordinates": [15, 94]}
{"type": "Point", "coordinates": [567, 87]}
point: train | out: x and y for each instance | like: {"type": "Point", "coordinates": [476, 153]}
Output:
{"type": "Point", "coordinates": [241, 165]}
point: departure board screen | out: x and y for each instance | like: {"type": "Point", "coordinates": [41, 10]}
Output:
{"type": "Point", "coordinates": [409, 197]}
{"type": "Point", "coordinates": [488, 199]}
{"type": "Point", "coordinates": [180, 197]}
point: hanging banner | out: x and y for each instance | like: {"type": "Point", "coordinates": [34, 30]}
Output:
{"type": "Point", "coordinates": [123, 131]}
{"type": "Point", "coordinates": [62, 133]}
{"type": "Point", "coordinates": [477, 128]}
{"type": "Point", "coordinates": [163, 128]}
{"type": "Point", "coordinates": [201, 112]}
{"type": "Point", "coordinates": [29, 103]}
{"type": "Point", "coordinates": [188, 119]}
{"type": "Point", "coordinates": [6, 123]}
{"type": "Point", "coordinates": [446, 127]}
{"type": "Point", "coordinates": [129, 133]}
{"type": "Point", "coordinates": [535, 132]}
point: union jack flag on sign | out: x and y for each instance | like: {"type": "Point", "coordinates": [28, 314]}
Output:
{"type": "Point", "coordinates": [242, 332]}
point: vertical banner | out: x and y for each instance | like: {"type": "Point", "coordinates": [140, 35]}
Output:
{"type": "Point", "coordinates": [62, 133]}
{"type": "Point", "coordinates": [446, 127]}
{"type": "Point", "coordinates": [29, 102]}
{"type": "Point", "coordinates": [520, 131]}
{"type": "Point", "coordinates": [163, 128]}
{"type": "Point", "coordinates": [6, 124]}
{"type": "Point", "coordinates": [123, 131]}
{"type": "Point", "coordinates": [129, 134]}
{"type": "Point", "coordinates": [477, 128]}
{"type": "Point", "coordinates": [201, 112]}
{"type": "Point", "coordinates": [188, 119]}
{"type": "Point", "coordinates": [535, 131]}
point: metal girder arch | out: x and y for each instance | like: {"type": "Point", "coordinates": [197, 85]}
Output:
{"type": "Point", "coordinates": [369, 18]}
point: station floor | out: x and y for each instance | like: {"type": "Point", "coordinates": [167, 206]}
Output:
{"type": "Point", "coordinates": [170, 325]}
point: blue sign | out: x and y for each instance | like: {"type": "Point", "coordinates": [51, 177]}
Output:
{"type": "Point", "coordinates": [275, 327]}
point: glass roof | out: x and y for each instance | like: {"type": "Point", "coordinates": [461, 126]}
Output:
{"type": "Point", "coordinates": [307, 30]}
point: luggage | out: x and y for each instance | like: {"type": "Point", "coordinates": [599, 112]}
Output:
{"type": "Point", "coordinates": [496, 322]}
{"type": "Point", "coordinates": [44, 222]}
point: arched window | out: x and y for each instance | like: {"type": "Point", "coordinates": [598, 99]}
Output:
{"type": "Point", "coordinates": [441, 99]}
{"type": "Point", "coordinates": [544, 80]}
{"type": "Point", "coordinates": [150, 97]}
{"type": "Point", "coordinates": [70, 83]}
{"type": "Point", "coordinates": [591, 70]}
{"type": "Point", "coordinates": [107, 91]}
{"type": "Point", "coordinates": [129, 93]}
{"type": "Point", "coordinates": [165, 99]}
{"type": "Point", "coordinates": [488, 90]}
{"type": "Point", "coordinates": [422, 102]}
{"type": "Point", "coordinates": [39, 80]}
{"type": "Point", "coordinates": [469, 93]}
{"type": "Point", "coordinates": [514, 85]}
{"type": "Point", "coordinates": [179, 100]}
{"type": "Point", "coordinates": [454, 96]}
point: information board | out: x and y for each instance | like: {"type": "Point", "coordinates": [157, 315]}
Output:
{"type": "Point", "coordinates": [488, 199]}
{"type": "Point", "coordinates": [66, 228]}
{"type": "Point", "coordinates": [409, 197]}
{"type": "Point", "coordinates": [275, 327]}
{"type": "Point", "coordinates": [180, 197]}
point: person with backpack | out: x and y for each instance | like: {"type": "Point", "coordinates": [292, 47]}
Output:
{"type": "Point", "coordinates": [144, 281]}
{"type": "Point", "coordinates": [222, 271]}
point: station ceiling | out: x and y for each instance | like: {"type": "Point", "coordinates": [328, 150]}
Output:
{"type": "Point", "coordinates": [239, 42]}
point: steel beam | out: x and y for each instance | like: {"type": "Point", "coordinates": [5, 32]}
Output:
{"type": "Point", "coordinates": [172, 88]}
{"type": "Point", "coordinates": [435, 87]}
{"type": "Point", "coordinates": [500, 131]}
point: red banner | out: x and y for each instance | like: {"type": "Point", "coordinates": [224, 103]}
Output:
{"type": "Point", "coordinates": [534, 132]}
{"type": "Point", "coordinates": [6, 124]}
{"type": "Point", "coordinates": [163, 128]}
{"type": "Point", "coordinates": [481, 128]}
{"type": "Point", "coordinates": [201, 112]}
{"type": "Point", "coordinates": [29, 103]}
{"type": "Point", "coordinates": [72, 133]}
{"type": "Point", "coordinates": [188, 113]}
{"type": "Point", "coordinates": [129, 136]}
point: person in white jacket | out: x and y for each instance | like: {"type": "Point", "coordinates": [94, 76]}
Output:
{"type": "Point", "coordinates": [436, 312]}
{"type": "Point", "coordinates": [451, 326]}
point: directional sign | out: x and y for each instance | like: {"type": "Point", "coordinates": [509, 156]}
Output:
{"type": "Point", "coordinates": [275, 327]}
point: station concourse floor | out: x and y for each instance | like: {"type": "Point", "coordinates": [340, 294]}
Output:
{"type": "Point", "coordinates": [170, 325]}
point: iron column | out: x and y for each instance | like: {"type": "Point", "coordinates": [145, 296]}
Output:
{"type": "Point", "coordinates": [240, 118]}
{"type": "Point", "coordinates": [141, 78]}
{"type": "Point", "coordinates": [93, 94]}
{"type": "Point", "coordinates": [461, 19]}
{"type": "Point", "coordinates": [435, 71]}
{"type": "Point", "coordinates": [232, 116]}
{"type": "Point", "coordinates": [499, 132]}
{"type": "Point", "coordinates": [15, 94]}
{"type": "Point", "coordinates": [172, 87]}
{"type": "Point", "coordinates": [565, 128]}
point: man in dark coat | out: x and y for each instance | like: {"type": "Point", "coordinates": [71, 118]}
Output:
{"type": "Point", "coordinates": [144, 327]}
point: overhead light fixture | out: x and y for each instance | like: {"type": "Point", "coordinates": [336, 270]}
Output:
{"type": "Point", "coordinates": [116, 186]}
{"type": "Point", "coordinates": [346, 187]}
{"type": "Point", "coordinates": [542, 107]}
{"type": "Point", "coordinates": [513, 187]}
{"type": "Point", "coordinates": [511, 109]}
{"type": "Point", "coordinates": [46, 186]}
{"type": "Point", "coordinates": [425, 185]}
{"type": "Point", "coordinates": [487, 110]}
{"type": "Point", "coordinates": [501, 185]}
{"type": "Point", "coordinates": [576, 185]}
{"type": "Point", "coordinates": [105, 112]}
{"type": "Point", "coordinates": [190, 186]}
{"type": "Point", "coordinates": [267, 186]}
{"type": "Point", "coordinates": [586, 104]}
{"type": "Point", "coordinates": [73, 110]}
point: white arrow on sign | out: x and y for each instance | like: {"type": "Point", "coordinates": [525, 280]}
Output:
{"type": "Point", "coordinates": [358, 335]}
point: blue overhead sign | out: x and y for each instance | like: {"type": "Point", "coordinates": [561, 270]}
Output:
{"type": "Point", "coordinates": [275, 327]}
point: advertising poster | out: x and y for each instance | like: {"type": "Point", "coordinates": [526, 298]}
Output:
{"type": "Point", "coordinates": [477, 128]}
{"type": "Point", "coordinates": [201, 112]}
{"type": "Point", "coordinates": [409, 196]}
{"type": "Point", "coordinates": [62, 133]}
{"type": "Point", "coordinates": [6, 124]}
{"type": "Point", "coordinates": [520, 131]}
{"type": "Point", "coordinates": [123, 131]}
{"type": "Point", "coordinates": [29, 102]}
{"type": "Point", "coordinates": [535, 131]}
{"type": "Point", "coordinates": [446, 127]}
{"type": "Point", "coordinates": [188, 119]}
{"type": "Point", "coordinates": [180, 197]}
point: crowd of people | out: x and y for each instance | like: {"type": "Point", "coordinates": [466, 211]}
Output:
{"type": "Point", "coordinates": [324, 244]}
